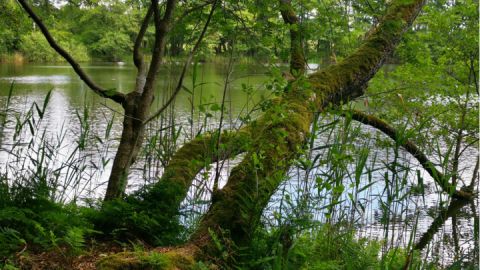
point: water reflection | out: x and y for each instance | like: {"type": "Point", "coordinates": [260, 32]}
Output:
{"type": "Point", "coordinates": [53, 80]}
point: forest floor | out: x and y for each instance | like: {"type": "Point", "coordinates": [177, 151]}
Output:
{"type": "Point", "coordinates": [62, 258]}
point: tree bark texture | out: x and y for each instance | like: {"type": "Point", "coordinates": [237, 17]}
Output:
{"type": "Point", "coordinates": [130, 144]}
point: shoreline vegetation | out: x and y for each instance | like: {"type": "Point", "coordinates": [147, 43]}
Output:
{"type": "Point", "coordinates": [20, 58]}
{"type": "Point", "coordinates": [15, 58]}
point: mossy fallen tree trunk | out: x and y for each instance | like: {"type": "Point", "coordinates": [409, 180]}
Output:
{"type": "Point", "coordinates": [278, 137]}
{"type": "Point", "coordinates": [280, 134]}
{"type": "Point", "coordinates": [189, 160]}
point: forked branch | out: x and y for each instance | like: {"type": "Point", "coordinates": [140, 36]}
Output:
{"type": "Point", "coordinates": [106, 93]}
{"type": "Point", "coordinates": [281, 132]}
{"type": "Point", "coordinates": [137, 54]}
{"type": "Point", "coordinates": [185, 67]}
{"type": "Point", "coordinates": [162, 27]}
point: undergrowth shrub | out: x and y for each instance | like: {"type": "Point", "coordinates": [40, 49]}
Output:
{"type": "Point", "coordinates": [31, 223]}
{"type": "Point", "coordinates": [140, 217]}
{"type": "Point", "coordinates": [42, 226]}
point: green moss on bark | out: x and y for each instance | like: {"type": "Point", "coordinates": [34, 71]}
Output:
{"type": "Point", "coordinates": [281, 132]}
{"type": "Point", "coordinates": [175, 259]}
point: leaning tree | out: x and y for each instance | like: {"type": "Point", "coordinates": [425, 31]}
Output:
{"type": "Point", "coordinates": [136, 104]}
{"type": "Point", "coordinates": [270, 143]}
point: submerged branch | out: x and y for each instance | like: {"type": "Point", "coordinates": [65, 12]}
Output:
{"type": "Point", "coordinates": [106, 93]}
{"type": "Point", "coordinates": [445, 213]}
{"type": "Point", "coordinates": [411, 148]}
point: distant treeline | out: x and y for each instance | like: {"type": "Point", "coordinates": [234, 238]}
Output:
{"type": "Point", "coordinates": [106, 30]}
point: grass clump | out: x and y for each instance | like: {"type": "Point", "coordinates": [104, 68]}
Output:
{"type": "Point", "coordinates": [177, 258]}
{"type": "Point", "coordinates": [334, 248]}
{"type": "Point", "coordinates": [325, 247]}
{"type": "Point", "coordinates": [135, 260]}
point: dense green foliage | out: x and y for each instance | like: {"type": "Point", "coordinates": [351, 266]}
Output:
{"type": "Point", "coordinates": [107, 29]}
{"type": "Point", "coordinates": [86, 30]}
{"type": "Point", "coordinates": [36, 49]}
{"type": "Point", "coordinates": [140, 217]}
{"type": "Point", "coordinates": [14, 24]}
{"type": "Point", "coordinates": [38, 224]}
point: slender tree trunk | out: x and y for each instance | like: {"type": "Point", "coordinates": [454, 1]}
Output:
{"type": "Point", "coordinates": [130, 144]}
{"type": "Point", "coordinates": [297, 57]}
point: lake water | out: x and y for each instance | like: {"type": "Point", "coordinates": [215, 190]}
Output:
{"type": "Point", "coordinates": [82, 173]}
{"type": "Point", "coordinates": [71, 101]}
